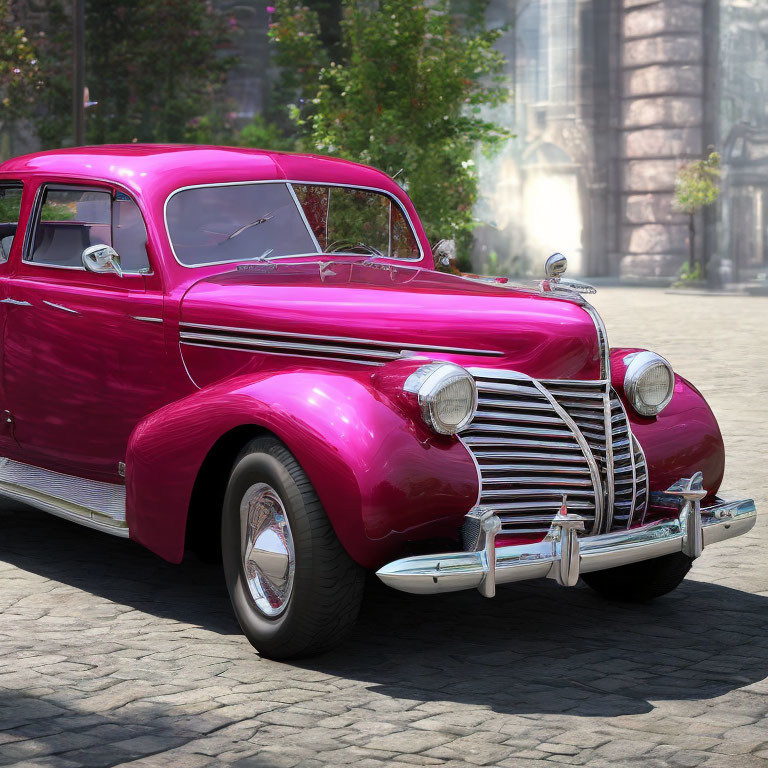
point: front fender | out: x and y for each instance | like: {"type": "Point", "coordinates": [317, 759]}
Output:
{"type": "Point", "coordinates": [381, 477]}
{"type": "Point", "coordinates": [684, 438]}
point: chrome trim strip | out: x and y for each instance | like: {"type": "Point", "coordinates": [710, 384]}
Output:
{"type": "Point", "coordinates": [16, 302]}
{"type": "Point", "coordinates": [392, 345]}
{"type": "Point", "coordinates": [453, 571]}
{"type": "Point", "coordinates": [587, 451]}
{"type": "Point", "coordinates": [147, 319]}
{"type": "Point", "coordinates": [602, 337]}
{"type": "Point", "coordinates": [610, 479]}
{"type": "Point", "coordinates": [269, 352]}
{"type": "Point", "coordinates": [61, 307]}
{"type": "Point", "coordinates": [186, 369]}
{"type": "Point", "coordinates": [247, 341]}
{"type": "Point", "coordinates": [88, 502]}
{"type": "Point", "coordinates": [300, 209]}
{"type": "Point", "coordinates": [288, 183]}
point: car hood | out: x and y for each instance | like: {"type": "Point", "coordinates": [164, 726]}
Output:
{"type": "Point", "coordinates": [370, 312]}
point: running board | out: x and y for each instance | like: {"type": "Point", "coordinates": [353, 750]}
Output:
{"type": "Point", "coordinates": [88, 502]}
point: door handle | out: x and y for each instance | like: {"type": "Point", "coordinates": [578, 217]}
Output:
{"type": "Point", "coordinates": [15, 302]}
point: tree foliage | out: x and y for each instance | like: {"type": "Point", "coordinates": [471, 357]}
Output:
{"type": "Point", "coordinates": [154, 67]}
{"type": "Point", "coordinates": [20, 72]}
{"type": "Point", "coordinates": [697, 185]}
{"type": "Point", "coordinates": [404, 91]}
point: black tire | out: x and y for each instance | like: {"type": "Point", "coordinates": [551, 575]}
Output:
{"type": "Point", "coordinates": [643, 581]}
{"type": "Point", "coordinates": [327, 584]}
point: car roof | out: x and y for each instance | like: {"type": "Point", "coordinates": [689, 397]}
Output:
{"type": "Point", "coordinates": [171, 166]}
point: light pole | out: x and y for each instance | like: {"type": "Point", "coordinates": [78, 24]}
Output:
{"type": "Point", "coordinates": [78, 71]}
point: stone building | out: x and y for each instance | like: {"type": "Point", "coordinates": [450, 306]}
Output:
{"type": "Point", "coordinates": [611, 97]}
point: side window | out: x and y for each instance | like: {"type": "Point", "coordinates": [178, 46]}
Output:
{"type": "Point", "coordinates": [10, 208]}
{"type": "Point", "coordinates": [69, 220]}
{"type": "Point", "coordinates": [129, 234]}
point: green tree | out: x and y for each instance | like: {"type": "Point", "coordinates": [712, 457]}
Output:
{"type": "Point", "coordinates": [154, 67]}
{"type": "Point", "coordinates": [404, 91]}
{"type": "Point", "coordinates": [697, 186]}
{"type": "Point", "coordinates": [20, 72]}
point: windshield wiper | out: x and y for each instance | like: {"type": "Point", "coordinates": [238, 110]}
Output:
{"type": "Point", "coordinates": [242, 229]}
{"type": "Point", "coordinates": [346, 246]}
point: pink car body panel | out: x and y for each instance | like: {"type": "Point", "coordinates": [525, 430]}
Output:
{"type": "Point", "coordinates": [99, 382]}
{"type": "Point", "coordinates": [683, 436]}
{"type": "Point", "coordinates": [382, 478]}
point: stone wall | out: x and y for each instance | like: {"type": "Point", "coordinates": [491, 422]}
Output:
{"type": "Point", "coordinates": [663, 125]}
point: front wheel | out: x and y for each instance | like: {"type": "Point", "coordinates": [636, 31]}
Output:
{"type": "Point", "coordinates": [643, 581]}
{"type": "Point", "coordinates": [294, 589]}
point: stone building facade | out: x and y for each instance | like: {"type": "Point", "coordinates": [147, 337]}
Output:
{"type": "Point", "coordinates": [611, 98]}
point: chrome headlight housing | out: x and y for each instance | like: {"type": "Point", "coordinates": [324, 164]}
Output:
{"type": "Point", "coordinates": [447, 396]}
{"type": "Point", "coordinates": [649, 383]}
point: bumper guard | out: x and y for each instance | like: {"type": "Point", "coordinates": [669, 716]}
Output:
{"type": "Point", "coordinates": [562, 555]}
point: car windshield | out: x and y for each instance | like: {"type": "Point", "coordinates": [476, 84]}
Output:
{"type": "Point", "coordinates": [241, 222]}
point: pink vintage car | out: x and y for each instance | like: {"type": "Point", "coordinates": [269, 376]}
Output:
{"type": "Point", "coordinates": [251, 355]}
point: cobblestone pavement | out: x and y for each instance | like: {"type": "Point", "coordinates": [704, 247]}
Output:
{"type": "Point", "coordinates": [109, 655]}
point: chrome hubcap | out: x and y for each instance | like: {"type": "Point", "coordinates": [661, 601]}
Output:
{"type": "Point", "coordinates": [269, 559]}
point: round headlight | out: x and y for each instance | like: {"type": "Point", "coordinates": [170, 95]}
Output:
{"type": "Point", "coordinates": [649, 383]}
{"type": "Point", "coordinates": [447, 396]}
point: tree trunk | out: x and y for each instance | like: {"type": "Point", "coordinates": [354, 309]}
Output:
{"type": "Point", "coordinates": [691, 242]}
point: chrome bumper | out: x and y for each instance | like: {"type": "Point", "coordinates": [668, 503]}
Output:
{"type": "Point", "coordinates": [562, 555]}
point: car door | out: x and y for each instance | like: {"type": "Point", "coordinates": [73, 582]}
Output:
{"type": "Point", "coordinates": [84, 353]}
{"type": "Point", "coordinates": [11, 235]}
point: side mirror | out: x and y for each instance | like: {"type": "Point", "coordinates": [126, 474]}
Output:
{"type": "Point", "coordinates": [102, 258]}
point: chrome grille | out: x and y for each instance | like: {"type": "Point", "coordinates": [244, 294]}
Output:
{"type": "Point", "coordinates": [529, 457]}
{"type": "Point", "coordinates": [536, 442]}
{"type": "Point", "coordinates": [621, 456]}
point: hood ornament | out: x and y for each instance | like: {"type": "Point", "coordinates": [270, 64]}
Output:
{"type": "Point", "coordinates": [554, 267]}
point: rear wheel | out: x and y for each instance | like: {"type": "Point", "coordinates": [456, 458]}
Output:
{"type": "Point", "coordinates": [294, 589]}
{"type": "Point", "coordinates": [643, 581]}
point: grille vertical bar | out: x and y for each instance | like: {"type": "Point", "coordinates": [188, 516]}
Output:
{"type": "Point", "coordinates": [536, 442]}
{"type": "Point", "coordinates": [528, 455]}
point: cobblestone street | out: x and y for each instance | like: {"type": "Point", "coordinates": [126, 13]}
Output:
{"type": "Point", "coordinates": [109, 655]}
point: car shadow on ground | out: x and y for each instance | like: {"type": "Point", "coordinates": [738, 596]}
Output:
{"type": "Point", "coordinates": [535, 648]}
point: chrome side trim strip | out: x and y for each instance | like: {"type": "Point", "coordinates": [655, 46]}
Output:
{"type": "Point", "coordinates": [61, 307]}
{"type": "Point", "coordinates": [66, 514]}
{"type": "Point", "coordinates": [15, 302]}
{"type": "Point", "coordinates": [391, 345]}
{"type": "Point", "coordinates": [272, 352]}
{"type": "Point", "coordinates": [249, 341]}
{"type": "Point", "coordinates": [89, 502]}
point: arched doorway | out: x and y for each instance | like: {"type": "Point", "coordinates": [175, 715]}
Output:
{"type": "Point", "coordinates": [552, 206]}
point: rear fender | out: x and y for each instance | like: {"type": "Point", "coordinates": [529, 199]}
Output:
{"type": "Point", "coordinates": [382, 478]}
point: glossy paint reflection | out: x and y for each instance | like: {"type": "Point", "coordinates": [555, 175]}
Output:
{"type": "Point", "coordinates": [683, 439]}
{"type": "Point", "coordinates": [383, 480]}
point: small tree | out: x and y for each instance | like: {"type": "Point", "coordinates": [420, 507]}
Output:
{"type": "Point", "coordinates": [20, 73]}
{"type": "Point", "coordinates": [405, 93]}
{"type": "Point", "coordinates": [697, 186]}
